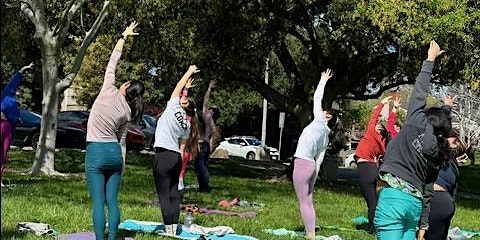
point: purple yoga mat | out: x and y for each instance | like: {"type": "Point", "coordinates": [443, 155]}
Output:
{"type": "Point", "coordinates": [84, 236]}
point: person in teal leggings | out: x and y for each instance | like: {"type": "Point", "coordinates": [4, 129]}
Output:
{"type": "Point", "coordinates": [107, 127]}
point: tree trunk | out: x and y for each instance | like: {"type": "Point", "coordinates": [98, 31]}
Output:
{"type": "Point", "coordinates": [45, 155]}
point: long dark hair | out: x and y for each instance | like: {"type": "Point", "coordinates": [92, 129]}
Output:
{"type": "Point", "coordinates": [134, 96]}
{"type": "Point", "coordinates": [337, 136]}
{"type": "Point", "coordinates": [192, 142]}
{"type": "Point", "coordinates": [385, 134]}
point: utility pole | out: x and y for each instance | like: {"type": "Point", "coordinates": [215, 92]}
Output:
{"type": "Point", "coordinates": [265, 104]}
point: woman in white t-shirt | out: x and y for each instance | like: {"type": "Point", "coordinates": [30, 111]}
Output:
{"type": "Point", "coordinates": [174, 129]}
{"type": "Point", "coordinates": [309, 155]}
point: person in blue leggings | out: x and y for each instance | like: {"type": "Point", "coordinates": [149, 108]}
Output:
{"type": "Point", "coordinates": [107, 127]}
{"type": "Point", "coordinates": [412, 161]}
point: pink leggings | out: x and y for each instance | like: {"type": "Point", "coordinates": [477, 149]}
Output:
{"type": "Point", "coordinates": [6, 132]}
{"type": "Point", "coordinates": [304, 176]}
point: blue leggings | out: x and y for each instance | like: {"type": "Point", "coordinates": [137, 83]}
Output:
{"type": "Point", "coordinates": [103, 168]}
{"type": "Point", "coordinates": [397, 215]}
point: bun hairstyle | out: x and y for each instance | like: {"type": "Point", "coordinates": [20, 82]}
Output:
{"type": "Point", "coordinates": [134, 96]}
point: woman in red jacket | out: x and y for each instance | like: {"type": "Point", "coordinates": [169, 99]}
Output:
{"type": "Point", "coordinates": [368, 153]}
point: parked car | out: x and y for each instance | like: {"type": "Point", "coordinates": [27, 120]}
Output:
{"type": "Point", "coordinates": [148, 125]}
{"type": "Point", "coordinates": [27, 133]}
{"type": "Point", "coordinates": [350, 161]}
{"type": "Point", "coordinates": [78, 119]}
{"type": "Point", "coordinates": [247, 147]}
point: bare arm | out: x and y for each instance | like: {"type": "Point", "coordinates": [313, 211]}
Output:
{"type": "Point", "coordinates": [211, 85]}
{"type": "Point", "coordinates": [183, 81]}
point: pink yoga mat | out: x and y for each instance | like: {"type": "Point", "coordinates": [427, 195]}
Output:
{"type": "Point", "coordinates": [84, 236]}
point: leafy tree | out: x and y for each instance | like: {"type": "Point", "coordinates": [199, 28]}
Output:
{"type": "Point", "coordinates": [51, 39]}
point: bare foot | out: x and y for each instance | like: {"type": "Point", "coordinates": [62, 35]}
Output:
{"type": "Point", "coordinates": [310, 235]}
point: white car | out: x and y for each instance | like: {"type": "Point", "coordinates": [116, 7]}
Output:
{"type": "Point", "coordinates": [350, 161]}
{"type": "Point", "coordinates": [248, 147]}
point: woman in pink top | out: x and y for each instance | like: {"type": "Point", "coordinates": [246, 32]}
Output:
{"type": "Point", "coordinates": [107, 127]}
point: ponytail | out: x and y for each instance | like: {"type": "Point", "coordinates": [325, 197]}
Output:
{"type": "Point", "coordinates": [134, 96]}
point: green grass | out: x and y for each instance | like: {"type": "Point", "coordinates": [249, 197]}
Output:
{"type": "Point", "coordinates": [65, 205]}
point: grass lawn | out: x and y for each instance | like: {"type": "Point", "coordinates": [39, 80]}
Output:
{"type": "Point", "coordinates": [65, 205]}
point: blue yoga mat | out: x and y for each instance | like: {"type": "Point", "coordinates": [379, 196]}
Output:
{"type": "Point", "coordinates": [159, 229]}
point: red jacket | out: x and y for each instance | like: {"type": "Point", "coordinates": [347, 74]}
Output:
{"type": "Point", "coordinates": [372, 144]}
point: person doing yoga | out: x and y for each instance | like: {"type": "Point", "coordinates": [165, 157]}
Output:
{"type": "Point", "coordinates": [111, 113]}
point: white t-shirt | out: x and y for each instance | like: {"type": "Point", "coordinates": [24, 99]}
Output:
{"type": "Point", "coordinates": [172, 126]}
{"type": "Point", "coordinates": [313, 141]}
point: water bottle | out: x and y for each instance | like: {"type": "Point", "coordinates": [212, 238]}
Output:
{"type": "Point", "coordinates": [188, 220]}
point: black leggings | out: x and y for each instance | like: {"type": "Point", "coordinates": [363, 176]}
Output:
{"type": "Point", "coordinates": [442, 209]}
{"type": "Point", "coordinates": [166, 172]}
{"type": "Point", "coordinates": [367, 177]}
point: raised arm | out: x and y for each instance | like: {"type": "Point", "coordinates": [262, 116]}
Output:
{"type": "Point", "coordinates": [11, 87]}
{"type": "Point", "coordinates": [318, 96]}
{"type": "Point", "coordinates": [187, 78]}
{"type": "Point", "coordinates": [416, 106]}
{"type": "Point", "coordinates": [206, 97]}
{"type": "Point", "coordinates": [375, 114]}
{"type": "Point", "coordinates": [109, 79]}
{"type": "Point", "coordinates": [392, 116]}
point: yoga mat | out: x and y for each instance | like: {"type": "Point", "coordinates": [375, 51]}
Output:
{"type": "Point", "coordinates": [84, 236]}
{"type": "Point", "coordinates": [157, 228]}
{"type": "Point", "coordinates": [248, 214]}
{"type": "Point", "coordinates": [285, 232]}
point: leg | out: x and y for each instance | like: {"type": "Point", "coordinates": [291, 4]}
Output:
{"type": "Point", "coordinates": [396, 213]}
{"type": "Point", "coordinates": [174, 194]}
{"type": "Point", "coordinates": [201, 167]}
{"type": "Point", "coordinates": [303, 177]}
{"type": "Point", "coordinates": [367, 174]}
{"type": "Point", "coordinates": [113, 184]}
{"type": "Point", "coordinates": [442, 210]}
{"type": "Point", "coordinates": [165, 161]}
{"type": "Point", "coordinates": [96, 188]}
{"type": "Point", "coordinates": [6, 132]}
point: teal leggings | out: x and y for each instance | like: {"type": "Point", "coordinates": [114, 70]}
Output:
{"type": "Point", "coordinates": [103, 168]}
{"type": "Point", "coordinates": [397, 215]}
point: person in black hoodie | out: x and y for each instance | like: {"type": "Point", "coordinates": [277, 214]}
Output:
{"type": "Point", "coordinates": [412, 161]}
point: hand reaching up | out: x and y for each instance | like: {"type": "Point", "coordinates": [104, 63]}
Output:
{"type": "Point", "coordinates": [30, 66]}
{"type": "Point", "coordinates": [189, 83]}
{"type": "Point", "coordinates": [434, 51]}
{"type": "Point", "coordinates": [212, 83]}
{"type": "Point", "coordinates": [449, 100]}
{"type": "Point", "coordinates": [386, 100]}
{"type": "Point", "coordinates": [327, 74]}
{"type": "Point", "coordinates": [129, 30]}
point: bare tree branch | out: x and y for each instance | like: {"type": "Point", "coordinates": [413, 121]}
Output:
{"type": "Point", "coordinates": [64, 25]}
{"type": "Point", "coordinates": [26, 7]}
{"type": "Point", "coordinates": [67, 81]}
{"type": "Point", "coordinates": [62, 19]}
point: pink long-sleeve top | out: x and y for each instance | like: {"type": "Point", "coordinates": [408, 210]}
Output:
{"type": "Point", "coordinates": [110, 113]}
